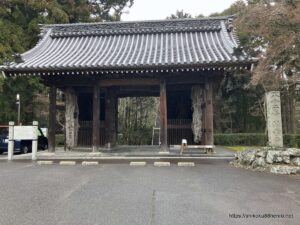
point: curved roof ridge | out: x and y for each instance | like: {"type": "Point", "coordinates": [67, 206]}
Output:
{"type": "Point", "coordinates": [139, 27]}
{"type": "Point", "coordinates": [138, 21]}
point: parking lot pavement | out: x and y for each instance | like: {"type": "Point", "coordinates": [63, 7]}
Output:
{"type": "Point", "coordinates": [211, 192]}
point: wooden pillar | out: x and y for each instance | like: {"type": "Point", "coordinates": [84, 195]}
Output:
{"type": "Point", "coordinates": [203, 107]}
{"type": "Point", "coordinates": [163, 116]}
{"type": "Point", "coordinates": [52, 119]}
{"type": "Point", "coordinates": [111, 117]}
{"type": "Point", "coordinates": [209, 114]}
{"type": "Point", "coordinates": [96, 118]}
{"type": "Point", "coordinates": [116, 117]}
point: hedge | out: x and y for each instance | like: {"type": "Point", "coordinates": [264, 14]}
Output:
{"type": "Point", "coordinates": [244, 139]}
{"type": "Point", "coordinates": [291, 140]}
{"type": "Point", "coordinates": [60, 139]}
{"type": "Point", "coordinates": [247, 139]}
{"type": "Point", "coordinates": [254, 139]}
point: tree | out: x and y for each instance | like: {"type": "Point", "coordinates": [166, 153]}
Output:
{"type": "Point", "coordinates": [19, 31]}
{"type": "Point", "coordinates": [238, 105]}
{"type": "Point", "coordinates": [180, 15]}
{"type": "Point", "coordinates": [272, 36]}
{"type": "Point", "coordinates": [270, 32]}
{"type": "Point", "coordinates": [236, 8]}
{"type": "Point", "coordinates": [108, 10]}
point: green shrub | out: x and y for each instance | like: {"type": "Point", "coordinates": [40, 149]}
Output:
{"type": "Point", "coordinates": [60, 139]}
{"type": "Point", "coordinates": [291, 140]}
{"type": "Point", "coordinates": [247, 139]}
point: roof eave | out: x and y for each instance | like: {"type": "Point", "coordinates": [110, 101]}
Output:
{"type": "Point", "coordinates": [215, 66]}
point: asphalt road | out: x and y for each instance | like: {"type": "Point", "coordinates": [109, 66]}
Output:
{"type": "Point", "coordinates": [119, 194]}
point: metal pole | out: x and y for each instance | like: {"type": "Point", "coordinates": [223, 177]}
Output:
{"type": "Point", "coordinates": [19, 108]}
{"type": "Point", "coordinates": [35, 140]}
{"type": "Point", "coordinates": [19, 114]}
{"type": "Point", "coordinates": [10, 152]}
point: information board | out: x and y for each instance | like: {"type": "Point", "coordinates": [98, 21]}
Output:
{"type": "Point", "coordinates": [25, 132]}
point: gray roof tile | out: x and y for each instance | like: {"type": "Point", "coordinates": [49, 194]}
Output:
{"type": "Point", "coordinates": [126, 45]}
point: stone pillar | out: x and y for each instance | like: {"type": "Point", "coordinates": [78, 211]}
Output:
{"type": "Point", "coordinates": [34, 147]}
{"type": "Point", "coordinates": [71, 118]}
{"type": "Point", "coordinates": [274, 122]}
{"type": "Point", "coordinates": [11, 141]}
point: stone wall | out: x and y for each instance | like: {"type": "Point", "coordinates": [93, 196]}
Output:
{"type": "Point", "coordinates": [271, 159]}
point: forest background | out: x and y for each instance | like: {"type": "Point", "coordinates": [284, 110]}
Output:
{"type": "Point", "coordinates": [268, 30]}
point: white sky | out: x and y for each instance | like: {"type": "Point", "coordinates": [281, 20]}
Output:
{"type": "Point", "coordinates": [160, 9]}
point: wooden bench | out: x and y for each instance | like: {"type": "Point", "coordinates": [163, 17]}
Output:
{"type": "Point", "coordinates": [207, 148]}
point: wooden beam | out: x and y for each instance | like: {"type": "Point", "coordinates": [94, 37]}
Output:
{"type": "Point", "coordinates": [171, 78]}
{"type": "Point", "coordinates": [163, 116]}
{"type": "Point", "coordinates": [87, 89]}
{"type": "Point", "coordinates": [96, 118]}
{"type": "Point", "coordinates": [128, 82]}
{"type": "Point", "coordinates": [209, 114]}
{"type": "Point", "coordinates": [192, 78]}
{"type": "Point", "coordinates": [138, 91]}
{"type": "Point", "coordinates": [138, 94]}
{"type": "Point", "coordinates": [52, 119]}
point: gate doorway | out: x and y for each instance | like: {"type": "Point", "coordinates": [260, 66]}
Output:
{"type": "Point", "coordinates": [130, 115]}
{"type": "Point", "coordinates": [137, 117]}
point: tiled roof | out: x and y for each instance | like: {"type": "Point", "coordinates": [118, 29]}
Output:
{"type": "Point", "coordinates": [188, 43]}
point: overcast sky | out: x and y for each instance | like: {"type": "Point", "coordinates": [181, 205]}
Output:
{"type": "Point", "coordinates": [160, 9]}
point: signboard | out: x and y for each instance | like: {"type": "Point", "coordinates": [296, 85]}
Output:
{"type": "Point", "coordinates": [25, 132]}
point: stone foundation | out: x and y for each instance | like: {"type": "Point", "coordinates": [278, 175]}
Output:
{"type": "Point", "coordinates": [270, 159]}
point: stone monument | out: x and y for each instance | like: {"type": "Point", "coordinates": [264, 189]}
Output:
{"type": "Point", "coordinates": [274, 121]}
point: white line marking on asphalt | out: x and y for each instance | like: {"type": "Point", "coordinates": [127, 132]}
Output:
{"type": "Point", "coordinates": [159, 164]}
{"type": "Point", "coordinates": [164, 153]}
{"type": "Point", "coordinates": [67, 163]}
{"type": "Point", "coordinates": [187, 164]}
{"type": "Point", "coordinates": [89, 163]}
{"type": "Point", "coordinates": [137, 163]}
{"type": "Point", "coordinates": [44, 162]}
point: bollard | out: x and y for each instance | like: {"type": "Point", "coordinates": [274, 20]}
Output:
{"type": "Point", "coordinates": [10, 151]}
{"type": "Point", "coordinates": [35, 140]}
